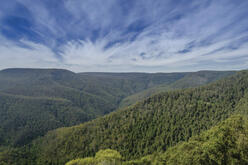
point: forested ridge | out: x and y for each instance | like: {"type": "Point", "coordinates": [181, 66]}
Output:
{"type": "Point", "coordinates": [153, 125]}
{"type": "Point", "coordinates": [226, 143]}
{"type": "Point", "coordinates": [34, 101]}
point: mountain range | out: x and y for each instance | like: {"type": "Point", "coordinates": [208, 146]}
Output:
{"type": "Point", "coordinates": [136, 114]}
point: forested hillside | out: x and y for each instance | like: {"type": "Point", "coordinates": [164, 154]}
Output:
{"type": "Point", "coordinates": [150, 126]}
{"type": "Point", "coordinates": [34, 101]}
{"type": "Point", "coordinates": [24, 118]}
{"type": "Point", "coordinates": [226, 143]}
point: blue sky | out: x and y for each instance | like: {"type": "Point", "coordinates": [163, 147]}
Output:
{"type": "Point", "coordinates": [124, 35]}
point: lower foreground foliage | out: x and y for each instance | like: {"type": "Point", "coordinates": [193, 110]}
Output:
{"type": "Point", "coordinates": [224, 144]}
{"type": "Point", "coordinates": [107, 156]}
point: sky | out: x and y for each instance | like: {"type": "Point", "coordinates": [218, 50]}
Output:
{"type": "Point", "coordinates": [124, 35]}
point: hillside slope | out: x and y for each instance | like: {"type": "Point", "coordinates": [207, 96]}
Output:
{"type": "Point", "coordinates": [149, 126]}
{"type": "Point", "coordinates": [226, 143]}
{"type": "Point", "coordinates": [24, 118]}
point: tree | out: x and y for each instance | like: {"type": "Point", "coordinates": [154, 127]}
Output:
{"type": "Point", "coordinates": [102, 157]}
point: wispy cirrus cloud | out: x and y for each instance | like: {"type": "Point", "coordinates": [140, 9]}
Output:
{"type": "Point", "coordinates": [160, 36]}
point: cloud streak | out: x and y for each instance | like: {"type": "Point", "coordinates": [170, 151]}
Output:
{"type": "Point", "coordinates": [123, 36]}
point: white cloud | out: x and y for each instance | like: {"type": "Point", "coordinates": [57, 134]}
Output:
{"type": "Point", "coordinates": [35, 56]}
{"type": "Point", "coordinates": [158, 51]}
{"type": "Point", "coordinates": [156, 47]}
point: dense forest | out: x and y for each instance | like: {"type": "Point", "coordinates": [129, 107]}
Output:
{"type": "Point", "coordinates": [34, 101]}
{"type": "Point", "coordinates": [150, 127]}
{"type": "Point", "coordinates": [226, 143]}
